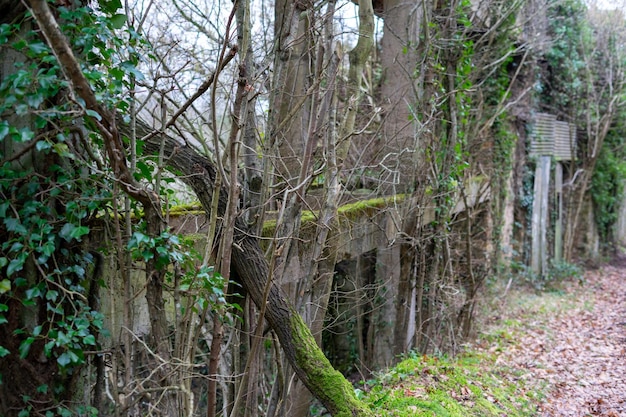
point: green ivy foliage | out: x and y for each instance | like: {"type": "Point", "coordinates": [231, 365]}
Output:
{"type": "Point", "coordinates": [562, 85]}
{"type": "Point", "coordinates": [609, 177]}
{"type": "Point", "coordinates": [574, 88]}
{"type": "Point", "coordinates": [478, 83]}
{"type": "Point", "coordinates": [48, 198]}
{"type": "Point", "coordinates": [54, 189]}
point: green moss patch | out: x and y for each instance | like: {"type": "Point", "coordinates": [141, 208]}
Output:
{"type": "Point", "coordinates": [370, 206]}
{"type": "Point", "coordinates": [187, 209]}
{"type": "Point", "coordinates": [468, 385]}
{"type": "Point", "coordinates": [321, 374]}
{"type": "Point", "coordinates": [349, 211]}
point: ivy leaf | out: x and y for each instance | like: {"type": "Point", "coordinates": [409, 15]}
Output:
{"type": "Point", "coordinates": [14, 225]}
{"type": "Point", "coordinates": [116, 73]}
{"type": "Point", "coordinates": [118, 21]}
{"type": "Point", "coordinates": [68, 358]}
{"type": "Point", "coordinates": [43, 145]}
{"type": "Point", "coordinates": [37, 48]}
{"type": "Point", "coordinates": [4, 129]}
{"type": "Point", "coordinates": [47, 349]}
{"type": "Point", "coordinates": [25, 347]}
{"type": "Point", "coordinates": [137, 239]}
{"type": "Point", "coordinates": [52, 295]}
{"type": "Point", "coordinates": [64, 412]}
{"type": "Point", "coordinates": [16, 247]}
{"type": "Point", "coordinates": [32, 293]}
{"type": "Point", "coordinates": [5, 33]}
{"type": "Point", "coordinates": [3, 351]}
{"type": "Point", "coordinates": [5, 286]}
{"type": "Point", "coordinates": [48, 248]}
{"type": "Point", "coordinates": [89, 340]}
{"type": "Point", "coordinates": [71, 231]}
{"type": "Point", "coordinates": [20, 282]}
{"type": "Point", "coordinates": [110, 6]}
{"type": "Point", "coordinates": [64, 360]}
{"type": "Point", "coordinates": [14, 266]}
{"type": "Point", "coordinates": [145, 171]}
{"type": "Point", "coordinates": [66, 231]}
{"type": "Point", "coordinates": [147, 255]}
{"type": "Point", "coordinates": [63, 150]}
{"type": "Point", "coordinates": [130, 68]}
{"type": "Point", "coordinates": [94, 114]}
{"type": "Point", "coordinates": [62, 339]}
{"type": "Point", "coordinates": [26, 134]}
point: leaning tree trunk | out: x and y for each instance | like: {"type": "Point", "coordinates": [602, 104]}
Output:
{"type": "Point", "coordinates": [251, 268]}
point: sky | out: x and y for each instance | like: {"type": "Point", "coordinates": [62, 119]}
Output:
{"type": "Point", "coordinates": [609, 4]}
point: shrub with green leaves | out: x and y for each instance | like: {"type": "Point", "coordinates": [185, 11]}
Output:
{"type": "Point", "coordinates": [54, 191]}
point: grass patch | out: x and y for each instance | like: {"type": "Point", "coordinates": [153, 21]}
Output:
{"type": "Point", "coordinates": [468, 385]}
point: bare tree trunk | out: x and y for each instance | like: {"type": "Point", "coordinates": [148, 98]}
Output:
{"type": "Point", "coordinates": [601, 131]}
{"type": "Point", "coordinates": [224, 258]}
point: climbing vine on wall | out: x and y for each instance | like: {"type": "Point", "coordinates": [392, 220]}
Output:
{"type": "Point", "coordinates": [583, 83]}
{"type": "Point", "coordinates": [56, 195]}
{"type": "Point", "coordinates": [607, 185]}
{"type": "Point", "coordinates": [51, 197]}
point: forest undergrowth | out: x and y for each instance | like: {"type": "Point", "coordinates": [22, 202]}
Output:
{"type": "Point", "coordinates": [557, 352]}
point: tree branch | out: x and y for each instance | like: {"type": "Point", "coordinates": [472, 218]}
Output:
{"type": "Point", "coordinates": [201, 90]}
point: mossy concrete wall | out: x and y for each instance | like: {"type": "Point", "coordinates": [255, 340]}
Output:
{"type": "Point", "coordinates": [372, 226]}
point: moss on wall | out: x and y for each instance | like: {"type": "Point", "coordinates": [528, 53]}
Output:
{"type": "Point", "coordinates": [351, 211]}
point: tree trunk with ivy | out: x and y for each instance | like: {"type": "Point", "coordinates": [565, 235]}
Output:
{"type": "Point", "coordinates": [104, 119]}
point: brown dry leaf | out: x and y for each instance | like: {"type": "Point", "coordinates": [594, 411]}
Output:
{"type": "Point", "coordinates": [417, 392]}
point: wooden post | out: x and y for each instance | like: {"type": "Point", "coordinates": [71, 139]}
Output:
{"type": "Point", "coordinates": [558, 227]}
{"type": "Point", "coordinates": [535, 259]}
{"type": "Point", "coordinates": [539, 256]}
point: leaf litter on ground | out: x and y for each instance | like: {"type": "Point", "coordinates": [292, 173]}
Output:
{"type": "Point", "coordinates": [559, 353]}
{"type": "Point", "coordinates": [573, 345]}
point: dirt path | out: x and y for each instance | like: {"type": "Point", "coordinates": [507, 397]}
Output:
{"type": "Point", "coordinates": [576, 344]}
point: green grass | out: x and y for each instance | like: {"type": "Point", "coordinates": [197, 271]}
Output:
{"type": "Point", "coordinates": [468, 385]}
